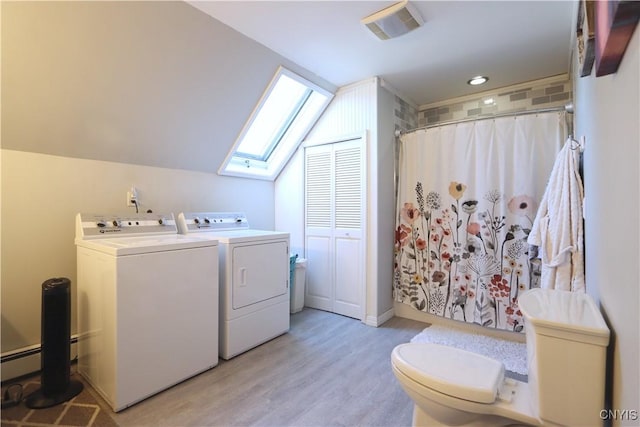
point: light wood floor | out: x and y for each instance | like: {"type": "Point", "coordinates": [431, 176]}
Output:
{"type": "Point", "coordinates": [329, 370]}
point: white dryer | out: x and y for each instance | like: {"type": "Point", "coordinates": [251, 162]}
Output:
{"type": "Point", "coordinates": [254, 278]}
{"type": "Point", "coordinates": [147, 305]}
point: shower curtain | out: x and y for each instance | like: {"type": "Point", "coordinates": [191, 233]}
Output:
{"type": "Point", "coordinates": [467, 197]}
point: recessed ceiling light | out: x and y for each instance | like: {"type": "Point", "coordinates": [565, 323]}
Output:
{"type": "Point", "coordinates": [478, 80]}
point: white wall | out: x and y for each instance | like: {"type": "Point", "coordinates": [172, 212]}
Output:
{"type": "Point", "coordinates": [41, 195]}
{"type": "Point", "coordinates": [608, 115]}
{"type": "Point", "coordinates": [289, 202]}
{"type": "Point", "coordinates": [100, 96]}
{"type": "Point", "coordinates": [386, 198]}
{"type": "Point", "coordinates": [353, 111]}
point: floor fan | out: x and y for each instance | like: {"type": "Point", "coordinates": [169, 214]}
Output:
{"type": "Point", "coordinates": [55, 385]}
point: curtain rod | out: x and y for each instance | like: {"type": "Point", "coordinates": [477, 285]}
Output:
{"type": "Point", "coordinates": [568, 108]}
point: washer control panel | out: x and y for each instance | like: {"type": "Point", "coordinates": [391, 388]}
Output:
{"type": "Point", "coordinates": [90, 226]}
{"type": "Point", "coordinates": [191, 222]}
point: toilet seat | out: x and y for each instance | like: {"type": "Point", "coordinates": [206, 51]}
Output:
{"type": "Point", "coordinates": [450, 371]}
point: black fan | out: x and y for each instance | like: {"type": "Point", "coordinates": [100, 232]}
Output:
{"type": "Point", "coordinates": [55, 384]}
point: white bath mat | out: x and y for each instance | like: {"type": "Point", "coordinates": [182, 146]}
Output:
{"type": "Point", "coordinates": [512, 354]}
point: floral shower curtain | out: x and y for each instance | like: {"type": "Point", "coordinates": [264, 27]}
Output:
{"type": "Point", "coordinates": [467, 197]}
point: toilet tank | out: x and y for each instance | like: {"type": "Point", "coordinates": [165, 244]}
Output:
{"type": "Point", "coordinates": [567, 342]}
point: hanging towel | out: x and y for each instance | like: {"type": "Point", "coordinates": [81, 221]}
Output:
{"type": "Point", "coordinates": [558, 228]}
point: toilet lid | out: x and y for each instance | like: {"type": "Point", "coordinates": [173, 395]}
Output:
{"type": "Point", "coordinates": [457, 373]}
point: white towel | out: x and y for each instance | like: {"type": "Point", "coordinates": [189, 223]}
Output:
{"type": "Point", "coordinates": [558, 228]}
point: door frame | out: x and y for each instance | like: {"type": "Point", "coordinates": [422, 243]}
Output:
{"type": "Point", "coordinates": [364, 137]}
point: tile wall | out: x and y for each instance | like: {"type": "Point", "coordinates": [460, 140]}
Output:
{"type": "Point", "coordinates": [405, 115]}
{"type": "Point", "coordinates": [539, 94]}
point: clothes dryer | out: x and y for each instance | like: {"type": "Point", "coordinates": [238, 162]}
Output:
{"type": "Point", "coordinates": [254, 278]}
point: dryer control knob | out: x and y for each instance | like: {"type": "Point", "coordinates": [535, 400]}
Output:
{"type": "Point", "coordinates": [161, 221]}
{"type": "Point", "coordinates": [196, 220]}
{"type": "Point", "coordinates": [101, 224]}
{"type": "Point", "coordinates": [207, 220]}
{"type": "Point", "coordinates": [116, 223]}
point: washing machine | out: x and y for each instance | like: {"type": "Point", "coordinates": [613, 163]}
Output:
{"type": "Point", "coordinates": [254, 278]}
{"type": "Point", "coordinates": [147, 301]}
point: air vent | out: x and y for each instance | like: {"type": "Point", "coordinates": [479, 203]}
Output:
{"type": "Point", "coordinates": [393, 21]}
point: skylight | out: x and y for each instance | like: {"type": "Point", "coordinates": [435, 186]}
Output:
{"type": "Point", "coordinates": [284, 115]}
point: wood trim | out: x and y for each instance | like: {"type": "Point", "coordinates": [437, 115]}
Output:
{"type": "Point", "coordinates": [615, 24]}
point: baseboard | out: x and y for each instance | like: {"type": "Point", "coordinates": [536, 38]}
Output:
{"type": "Point", "coordinates": [379, 320]}
{"type": "Point", "coordinates": [20, 367]}
{"type": "Point", "coordinates": [26, 365]}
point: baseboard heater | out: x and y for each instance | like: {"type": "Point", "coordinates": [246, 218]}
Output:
{"type": "Point", "coordinates": [31, 350]}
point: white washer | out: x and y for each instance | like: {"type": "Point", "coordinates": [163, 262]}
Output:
{"type": "Point", "coordinates": [147, 305]}
{"type": "Point", "coordinates": [254, 278]}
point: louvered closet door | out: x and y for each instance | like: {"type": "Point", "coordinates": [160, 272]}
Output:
{"type": "Point", "coordinates": [334, 197]}
{"type": "Point", "coordinates": [318, 226]}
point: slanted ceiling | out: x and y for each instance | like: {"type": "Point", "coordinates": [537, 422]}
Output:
{"type": "Point", "coordinates": [149, 83]}
{"type": "Point", "coordinates": [164, 84]}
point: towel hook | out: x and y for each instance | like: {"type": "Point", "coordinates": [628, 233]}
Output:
{"type": "Point", "coordinates": [577, 145]}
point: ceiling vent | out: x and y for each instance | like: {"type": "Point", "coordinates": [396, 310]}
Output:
{"type": "Point", "coordinates": [393, 21]}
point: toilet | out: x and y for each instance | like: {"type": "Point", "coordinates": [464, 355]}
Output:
{"type": "Point", "coordinates": [567, 340]}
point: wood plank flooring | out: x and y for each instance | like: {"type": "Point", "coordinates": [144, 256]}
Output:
{"type": "Point", "coordinates": [328, 370]}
